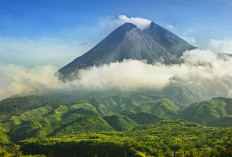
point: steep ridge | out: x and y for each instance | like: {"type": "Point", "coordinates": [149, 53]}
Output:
{"type": "Point", "coordinates": [154, 44]}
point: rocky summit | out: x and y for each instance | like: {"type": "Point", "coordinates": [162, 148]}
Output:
{"type": "Point", "coordinates": [153, 44]}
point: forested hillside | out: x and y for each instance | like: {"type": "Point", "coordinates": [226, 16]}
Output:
{"type": "Point", "coordinates": [164, 138]}
{"type": "Point", "coordinates": [114, 126]}
{"type": "Point", "coordinates": [214, 112]}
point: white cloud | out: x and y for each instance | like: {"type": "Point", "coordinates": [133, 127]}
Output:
{"type": "Point", "coordinates": [141, 23]}
{"type": "Point", "coordinates": [199, 57]}
{"type": "Point", "coordinates": [17, 79]}
{"type": "Point", "coordinates": [187, 35]}
{"type": "Point", "coordinates": [127, 75]}
{"type": "Point", "coordinates": [201, 66]}
{"type": "Point", "coordinates": [221, 46]}
{"type": "Point", "coordinates": [203, 69]}
{"type": "Point", "coordinates": [190, 40]}
{"type": "Point", "coordinates": [171, 27]}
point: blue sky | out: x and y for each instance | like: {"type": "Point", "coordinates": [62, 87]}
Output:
{"type": "Point", "coordinates": [35, 32]}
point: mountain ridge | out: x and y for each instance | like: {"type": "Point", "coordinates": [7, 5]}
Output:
{"type": "Point", "coordinates": [154, 44]}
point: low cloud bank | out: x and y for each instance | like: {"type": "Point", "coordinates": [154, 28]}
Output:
{"type": "Point", "coordinates": [20, 80]}
{"type": "Point", "coordinates": [202, 69]}
{"type": "Point", "coordinates": [222, 46]}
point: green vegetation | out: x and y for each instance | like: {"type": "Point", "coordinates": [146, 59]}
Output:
{"type": "Point", "coordinates": [12, 150]}
{"type": "Point", "coordinates": [214, 112]}
{"type": "Point", "coordinates": [116, 113]}
{"type": "Point", "coordinates": [138, 125]}
{"type": "Point", "coordinates": [59, 121]}
{"type": "Point", "coordinates": [4, 139]}
{"type": "Point", "coordinates": [120, 122]}
{"type": "Point", "coordinates": [164, 138]}
{"type": "Point", "coordinates": [112, 105]}
{"type": "Point", "coordinates": [141, 118]}
{"type": "Point", "coordinates": [164, 108]}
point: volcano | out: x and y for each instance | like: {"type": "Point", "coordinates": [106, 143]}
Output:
{"type": "Point", "coordinates": [153, 44]}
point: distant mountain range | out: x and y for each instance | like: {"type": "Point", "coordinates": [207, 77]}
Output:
{"type": "Point", "coordinates": [154, 44]}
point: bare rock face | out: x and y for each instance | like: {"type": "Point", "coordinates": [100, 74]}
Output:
{"type": "Point", "coordinates": [154, 44]}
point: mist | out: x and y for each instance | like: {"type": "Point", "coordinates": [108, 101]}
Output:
{"type": "Point", "coordinates": [203, 69]}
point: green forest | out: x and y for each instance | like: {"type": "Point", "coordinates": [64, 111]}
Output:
{"type": "Point", "coordinates": [144, 125]}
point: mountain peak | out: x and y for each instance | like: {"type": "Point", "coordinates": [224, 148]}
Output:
{"type": "Point", "coordinates": [128, 25]}
{"type": "Point", "coordinates": [141, 23]}
{"type": "Point", "coordinates": [154, 44]}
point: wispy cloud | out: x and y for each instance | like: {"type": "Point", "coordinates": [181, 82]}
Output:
{"type": "Point", "coordinates": [190, 40]}
{"type": "Point", "coordinates": [188, 36]}
{"type": "Point", "coordinates": [141, 23]}
{"type": "Point", "coordinates": [32, 52]}
{"type": "Point", "coordinates": [221, 46]}
{"type": "Point", "coordinates": [171, 27]}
